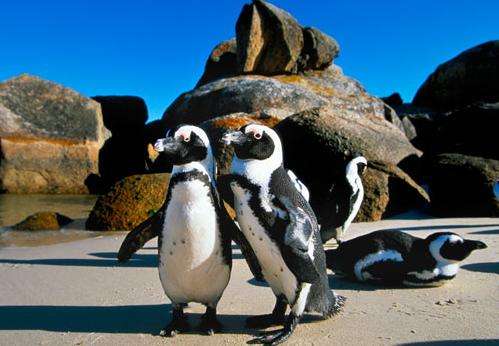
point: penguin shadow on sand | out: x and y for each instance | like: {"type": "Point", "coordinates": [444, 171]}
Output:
{"type": "Point", "coordinates": [102, 259]}
{"type": "Point", "coordinates": [124, 319]}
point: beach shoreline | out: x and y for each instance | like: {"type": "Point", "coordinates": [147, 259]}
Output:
{"type": "Point", "coordinates": [76, 293]}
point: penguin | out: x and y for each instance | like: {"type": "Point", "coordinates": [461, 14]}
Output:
{"type": "Point", "coordinates": [348, 194]}
{"type": "Point", "coordinates": [282, 230]}
{"type": "Point", "coordinates": [397, 258]}
{"type": "Point", "coordinates": [195, 256]}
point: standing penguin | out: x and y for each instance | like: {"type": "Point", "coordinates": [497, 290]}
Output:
{"type": "Point", "coordinates": [348, 194]}
{"type": "Point", "coordinates": [394, 257]}
{"type": "Point", "coordinates": [281, 228]}
{"type": "Point", "coordinates": [194, 252]}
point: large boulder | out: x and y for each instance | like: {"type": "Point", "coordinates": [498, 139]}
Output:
{"type": "Point", "coordinates": [472, 76]}
{"type": "Point", "coordinates": [278, 96]}
{"type": "Point", "coordinates": [128, 203]}
{"type": "Point", "coordinates": [269, 39]}
{"type": "Point", "coordinates": [463, 185]}
{"type": "Point", "coordinates": [221, 63]}
{"type": "Point", "coordinates": [319, 50]}
{"type": "Point", "coordinates": [125, 153]}
{"type": "Point", "coordinates": [331, 136]}
{"type": "Point", "coordinates": [50, 137]}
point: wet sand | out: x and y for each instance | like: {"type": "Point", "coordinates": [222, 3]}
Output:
{"type": "Point", "coordinates": [76, 294]}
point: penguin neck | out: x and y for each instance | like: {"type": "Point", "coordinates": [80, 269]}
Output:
{"type": "Point", "coordinates": [206, 166]}
{"type": "Point", "coordinates": [257, 171]}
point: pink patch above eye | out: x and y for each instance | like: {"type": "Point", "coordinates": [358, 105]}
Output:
{"type": "Point", "coordinates": [184, 137]}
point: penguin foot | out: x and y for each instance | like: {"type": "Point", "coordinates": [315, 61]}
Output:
{"type": "Point", "coordinates": [174, 328]}
{"type": "Point", "coordinates": [276, 318]}
{"type": "Point", "coordinates": [209, 322]}
{"type": "Point", "coordinates": [278, 336]}
{"type": "Point", "coordinates": [178, 323]}
{"type": "Point", "coordinates": [264, 321]}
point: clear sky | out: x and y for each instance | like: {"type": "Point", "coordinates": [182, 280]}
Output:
{"type": "Point", "coordinates": [157, 49]}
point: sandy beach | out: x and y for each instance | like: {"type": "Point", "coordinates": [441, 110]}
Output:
{"type": "Point", "coordinates": [75, 293]}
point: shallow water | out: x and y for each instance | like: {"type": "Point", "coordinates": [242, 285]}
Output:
{"type": "Point", "coordinates": [15, 208]}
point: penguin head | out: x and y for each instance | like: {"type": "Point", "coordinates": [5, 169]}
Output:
{"type": "Point", "coordinates": [185, 145]}
{"type": "Point", "coordinates": [357, 165]}
{"type": "Point", "coordinates": [447, 247]}
{"type": "Point", "coordinates": [255, 142]}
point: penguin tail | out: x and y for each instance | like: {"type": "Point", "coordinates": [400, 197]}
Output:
{"type": "Point", "coordinates": [336, 306]}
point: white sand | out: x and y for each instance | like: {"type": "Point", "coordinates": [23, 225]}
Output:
{"type": "Point", "coordinates": [76, 294]}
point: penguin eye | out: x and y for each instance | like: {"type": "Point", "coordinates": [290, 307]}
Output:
{"type": "Point", "coordinates": [257, 135]}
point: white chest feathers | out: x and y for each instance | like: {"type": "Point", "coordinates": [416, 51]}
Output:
{"type": "Point", "coordinates": [192, 267]}
{"type": "Point", "coordinates": [274, 269]}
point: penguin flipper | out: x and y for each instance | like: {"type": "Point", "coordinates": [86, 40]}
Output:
{"type": "Point", "coordinates": [140, 235]}
{"type": "Point", "coordinates": [231, 228]}
{"type": "Point", "coordinates": [297, 238]}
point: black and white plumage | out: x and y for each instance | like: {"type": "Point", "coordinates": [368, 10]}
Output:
{"type": "Point", "coordinates": [398, 258]}
{"type": "Point", "coordinates": [281, 228]}
{"type": "Point", "coordinates": [194, 250]}
{"type": "Point", "coordinates": [348, 194]}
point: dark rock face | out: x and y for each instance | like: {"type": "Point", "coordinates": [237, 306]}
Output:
{"type": "Point", "coordinates": [43, 221]}
{"type": "Point", "coordinates": [471, 130]}
{"type": "Point", "coordinates": [269, 40]}
{"type": "Point", "coordinates": [394, 100]}
{"type": "Point", "coordinates": [122, 113]}
{"type": "Point", "coordinates": [328, 136]}
{"type": "Point", "coordinates": [221, 63]}
{"type": "Point", "coordinates": [125, 153]}
{"type": "Point", "coordinates": [50, 137]}
{"type": "Point", "coordinates": [128, 203]}
{"type": "Point", "coordinates": [424, 123]}
{"type": "Point", "coordinates": [319, 50]}
{"type": "Point", "coordinates": [463, 185]}
{"type": "Point", "coordinates": [472, 76]}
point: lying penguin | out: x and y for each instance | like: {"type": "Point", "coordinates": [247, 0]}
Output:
{"type": "Point", "coordinates": [195, 256]}
{"type": "Point", "coordinates": [281, 228]}
{"type": "Point", "coordinates": [398, 258]}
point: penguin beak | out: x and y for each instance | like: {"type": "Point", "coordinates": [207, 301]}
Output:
{"type": "Point", "coordinates": [167, 145]}
{"type": "Point", "coordinates": [233, 137]}
{"type": "Point", "coordinates": [475, 244]}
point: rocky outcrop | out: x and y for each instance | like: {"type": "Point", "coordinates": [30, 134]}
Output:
{"type": "Point", "coordinates": [285, 69]}
{"type": "Point", "coordinates": [463, 185]}
{"type": "Point", "coordinates": [43, 221]}
{"type": "Point", "coordinates": [221, 63]}
{"type": "Point", "coordinates": [125, 153]}
{"type": "Point", "coordinates": [50, 137]}
{"type": "Point", "coordinates": [472, 76]}
{"type": "Point", "coordinates": [327, 135]}
{"type": "Point", "coordinates": [278, 96]}
{"type": "Point", "coordinates": [128, 203]}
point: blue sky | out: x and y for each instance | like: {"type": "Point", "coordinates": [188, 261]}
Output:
{"type": "Point", "coordinates": [157, 49]}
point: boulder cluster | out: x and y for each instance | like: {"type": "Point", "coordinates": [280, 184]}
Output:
{"type": "Point", "coordinates": [281, 74]}
{"type": "Point", "coordinates": [455, 116]}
